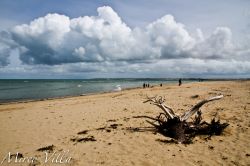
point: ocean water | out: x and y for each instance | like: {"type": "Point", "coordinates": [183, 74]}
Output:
{"type": "Point", "coordinates": [20, 89]}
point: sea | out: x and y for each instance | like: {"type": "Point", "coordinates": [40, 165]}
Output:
{"type": "Point", "coordinates": [12, 90]}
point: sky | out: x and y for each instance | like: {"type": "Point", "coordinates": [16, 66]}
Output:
{"type": "Point", "coordinates": [124, 38]}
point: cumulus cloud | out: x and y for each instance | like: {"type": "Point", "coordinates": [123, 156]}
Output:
{"type": "Point", "coordinates": [217, 45]}
{"type": "Point", "coordinates": [170, 37]}
{"type": "Point", "coordinates": [57, 39]}
{"type": "Point", "coordinates": [103, 43]}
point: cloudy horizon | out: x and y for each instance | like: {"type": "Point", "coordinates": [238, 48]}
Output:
{"type": "Point", "coordinates": [112, 39]}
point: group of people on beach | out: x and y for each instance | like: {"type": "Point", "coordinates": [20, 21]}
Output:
{"type": "Point", "coordinates": [145, 85]}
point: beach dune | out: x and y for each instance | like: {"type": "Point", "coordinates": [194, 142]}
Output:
{"type": "Point", "coordinates": [100, 129]}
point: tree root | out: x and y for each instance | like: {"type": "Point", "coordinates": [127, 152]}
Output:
{"type": "Point", "coordinates": [178, 128]}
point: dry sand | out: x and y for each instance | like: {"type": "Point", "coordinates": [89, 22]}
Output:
{"type": "Point", "coordinates": [26, 127]}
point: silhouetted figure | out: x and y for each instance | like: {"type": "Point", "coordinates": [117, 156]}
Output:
{"type": "Point", "coordinates": [144, 85]}
{"type": "Point", "coordinates": [160, 85]}
{"type": "Point", "coordinates": [180, 82]}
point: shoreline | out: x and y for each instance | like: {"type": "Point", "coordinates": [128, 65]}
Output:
{"type": "Point", "coordinates": [10, 101]}
{"type": "Point", "coordinates": [64, 97]}
{"type": "Point", "coordinates": [107, 92]}
{"type": "Point", "coordinates": [73, 96]}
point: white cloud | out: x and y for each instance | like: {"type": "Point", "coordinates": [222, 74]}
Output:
{"type": "Point", "coordinates": [217, 45]}
{"type": "Point", "coordinates": [57, 39]}
{"type": "Point", "coordinates": [170, 37]}
{"type": "Point", "coordinates": [79, 51]}
{"type": "Point", "coordinates": [106, 42]}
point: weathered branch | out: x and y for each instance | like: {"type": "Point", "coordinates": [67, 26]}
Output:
{"type": "Point", "coordinates": [196, 108]}
{"type": "Point", "coordinates": [159, 102]}
{"type": "Point", "coordinates": [151, 99]}
{"type": "Point", "coordinates": [170, 110]}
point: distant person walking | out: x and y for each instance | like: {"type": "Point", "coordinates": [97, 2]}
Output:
{"type": "Point", "coordinates": [180, 82]}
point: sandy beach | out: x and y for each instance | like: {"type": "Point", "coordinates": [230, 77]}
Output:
{"type": "Point", "coordinates": [94, 130]}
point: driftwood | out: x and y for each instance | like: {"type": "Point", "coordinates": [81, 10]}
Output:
{"type": "Point", "coordinates": [178, 127]}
